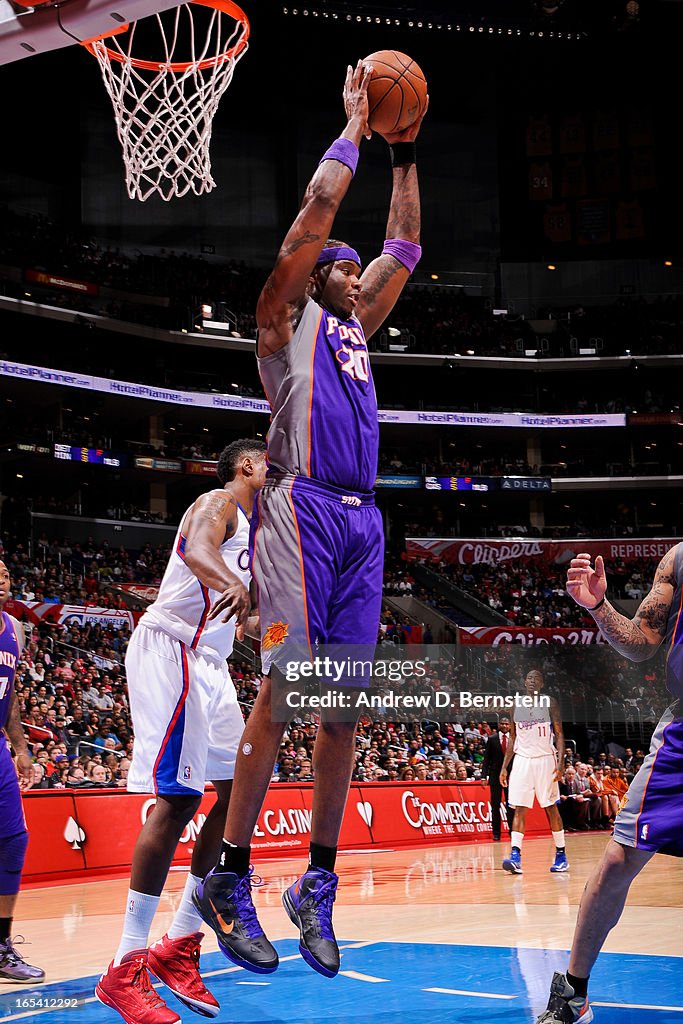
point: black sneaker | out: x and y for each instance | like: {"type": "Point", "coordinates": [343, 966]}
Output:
{"type": "Point", "coordinates": [14, 968]}
{"type": "Point", "coordinates": [564, 1007]}
{"type": "Point", "coordinates": [224, 901]}
{"type": "Point", "coordinates": [309, 905]}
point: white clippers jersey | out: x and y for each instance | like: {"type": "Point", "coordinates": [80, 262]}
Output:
{"type": "Point", "coordinates": [534, 732]}
{"type": "Point", "coordinates": [183, 604]}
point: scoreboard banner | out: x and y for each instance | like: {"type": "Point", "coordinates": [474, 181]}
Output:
{"type": "Point", "coordinates": [488, 483]}
{"type": "Point", "coordinates": [96, 456]}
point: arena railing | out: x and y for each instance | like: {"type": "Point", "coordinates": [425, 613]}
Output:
{"type": "Point", "coordinates": [99, 749]}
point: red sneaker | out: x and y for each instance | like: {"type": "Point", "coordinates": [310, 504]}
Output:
{"type": "Point", "coordinates": [128, 990]}
{"type": "Point", "coordinates": [176, 963]}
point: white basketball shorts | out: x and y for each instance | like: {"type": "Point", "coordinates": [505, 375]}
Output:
{"type": "Point", "coordinates": [186, 720]}
{"type": "Point", "coordinates": [533, 776]}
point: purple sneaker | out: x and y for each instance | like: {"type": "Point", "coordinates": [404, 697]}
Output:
{"type": "Point", "coordinates": [14, 968]}
{"type": "Point", "coordinates": [309, 905]}
{"type": "Point", "coordinates": [224, 901]}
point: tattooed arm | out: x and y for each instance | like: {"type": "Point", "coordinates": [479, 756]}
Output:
{"type": "Point", "coordinates": [283, 297]}
{"type": "Point", "coordinates": [384, 278]}
{"type": "Point", "coordinates": [637, 638]}
{"type": "Point", "coordinates": [212, 520]}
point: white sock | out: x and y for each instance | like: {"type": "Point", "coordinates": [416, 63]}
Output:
{"type": "Point", "coordinates": [186, 920]}
{"type": "Point", "coordinates": [516, 839]}
{"type": "Point", "coordinates": [558, 839]}
{"type": "Point", "coordinates": [140, 911]}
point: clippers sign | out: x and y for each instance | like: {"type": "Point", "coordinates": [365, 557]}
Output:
{"type": "Point", "coordinates": [495, 635]}
{"type": "Point", "coordinates": [539, 552]}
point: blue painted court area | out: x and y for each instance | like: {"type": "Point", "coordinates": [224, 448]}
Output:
{"type": "Point", "coordinates": [394, 982]}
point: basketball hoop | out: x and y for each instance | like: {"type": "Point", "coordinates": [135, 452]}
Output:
{"type": "Point", "coordinates": [164, 108]}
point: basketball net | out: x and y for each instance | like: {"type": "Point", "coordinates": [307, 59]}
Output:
{"type": "Point", "coordinates": [164, 108]}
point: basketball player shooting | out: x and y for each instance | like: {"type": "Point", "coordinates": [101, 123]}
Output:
{"type": "Point", "coordinates": [318, 541]}
{"type": "Point", "coordinates": [651, 816]}
{"type": "Point", "coordinates": [187, 725]}
{"type": "Point", "coordinates": [13, 833]}
{"type": "Point", "coordinates": [538, 745]}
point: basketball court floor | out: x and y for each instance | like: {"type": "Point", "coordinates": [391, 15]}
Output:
{"type": "Point", "coordinates": [426, 934]}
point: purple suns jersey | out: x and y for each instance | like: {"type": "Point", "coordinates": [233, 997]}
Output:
{"type": "Point", "coordinates": [324, 409]}
{"type": "Point", "coordinates": [9, 655]}
{"type": "Point", "coordinates": [12, 820]}
{"type": "Point", "coordinates": [674, 631]}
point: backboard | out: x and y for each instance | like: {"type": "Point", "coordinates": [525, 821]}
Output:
{"type": "Point", "coordinates": [25, 31]}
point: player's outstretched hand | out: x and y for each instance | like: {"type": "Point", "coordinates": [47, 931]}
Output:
{"type": "Point", "coordinates": [234, 600]}
{"type": "Point", "coordinates": [408, 134]}
{"type": "Point", "coordinates": [585, 584]}
{"type": "Point", "coordinates": [356, 94]}
{"type": "Point", "coordinates": [25, 771]}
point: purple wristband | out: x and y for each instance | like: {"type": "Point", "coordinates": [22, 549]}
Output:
{"type": "Point", "coordinates": [345, 151]}
{"type": "Point", "coordinates": [407, 253]}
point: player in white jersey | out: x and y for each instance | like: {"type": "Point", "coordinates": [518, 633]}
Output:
{"type": "Point", "coordinates": [537, 742]}
{"type": "Point", "coordinates": [187, 726]}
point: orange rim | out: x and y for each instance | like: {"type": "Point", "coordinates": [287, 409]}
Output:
{"type": "Point", "coordinates": [225, 6]}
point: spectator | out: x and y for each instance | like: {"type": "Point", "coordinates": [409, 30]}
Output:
{"type": "Point", "coordinates": [615, 786]}
{"type": "Point", "coordinates": [98, 777]}
{"type": "Point", "coordinates": [594, 815]}
{"type": "Point", "coordinates": [605, 808]}
{"type": "Point", "coordinates": [573, 805]}
{"type": "Point", "coordinates": [104, 700]}
{"type": "Point", "coordinates": [76, 777]}
{"type": "Point", "coordinates": [39, 779]}
{"type": "Point", "coordinates": [284, 771]}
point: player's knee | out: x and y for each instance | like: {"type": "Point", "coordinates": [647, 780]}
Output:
{"type": "Point", "coordinates": [621, 862]}
{"type": "Point", "coordinates": [12, 857]}
{"type": "Point", "coordinates": [222, 798]}
{"type": "Point", "coordinates": [339, 730]}
{"type": "Point", "coordinates": [177, 809]}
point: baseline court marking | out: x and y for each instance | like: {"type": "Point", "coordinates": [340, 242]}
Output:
{"type": "Point", "coordinates": [463, 992]}
{"type": "Point", "coordinates": [398, 974]}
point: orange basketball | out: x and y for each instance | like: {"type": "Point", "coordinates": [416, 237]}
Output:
{"type": "Point", "coordinates": [397, 92]}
